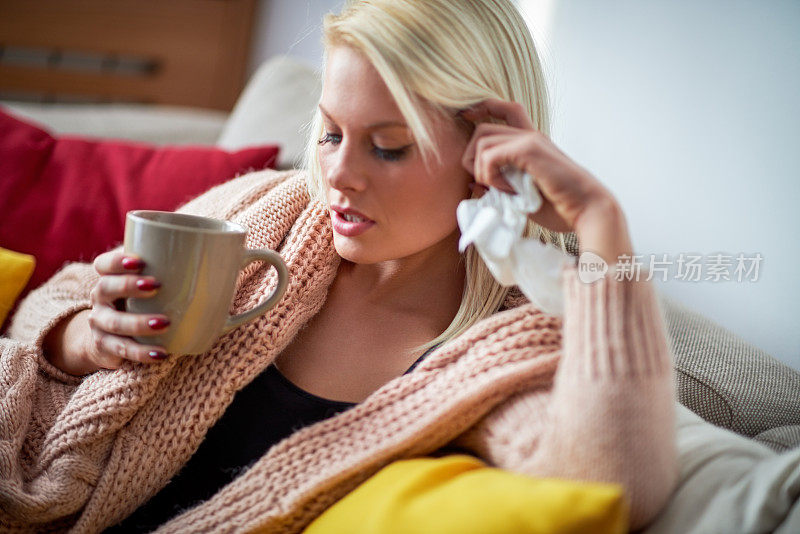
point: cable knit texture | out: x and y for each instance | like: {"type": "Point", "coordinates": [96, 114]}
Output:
{"type": "Point", "coordinates": [82, 454]}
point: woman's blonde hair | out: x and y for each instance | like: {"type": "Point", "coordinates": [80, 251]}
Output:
{"type": "Point", "coordinates": [444, 55]}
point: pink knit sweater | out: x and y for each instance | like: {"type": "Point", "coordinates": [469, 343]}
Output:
{"type": "Point", "coordinates": [82, 454]}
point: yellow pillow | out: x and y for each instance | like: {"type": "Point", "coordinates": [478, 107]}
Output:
{"type": "Point", "coordinates": [460, 494]}
{"type": "Point", "coordinates": [15, 270]}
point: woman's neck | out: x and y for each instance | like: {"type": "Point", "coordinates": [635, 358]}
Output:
{"type": "Point", "coordinates": [429, 281]}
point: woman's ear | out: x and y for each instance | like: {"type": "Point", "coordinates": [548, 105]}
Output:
{"type": "Point", "coordinates": [464, 124]}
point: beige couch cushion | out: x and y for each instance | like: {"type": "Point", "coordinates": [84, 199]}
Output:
{"type": "Point", "coordinates": [275, 107]}
{"type": "Point", "coordinates": [731, 383]}
{"type": "Point", "coordinates": [728, 483]}
{"type": "Point", "coordinates": [160, 125]}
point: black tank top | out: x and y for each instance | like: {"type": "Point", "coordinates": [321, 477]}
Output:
{"type": "Point", "coordinates": [261, 414]}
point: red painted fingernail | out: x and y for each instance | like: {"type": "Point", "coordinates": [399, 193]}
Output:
{"type": "Point", "coordinates": [148, 285]}
{"type": "Point", "coordinates": [132, 264]}
{"type": "Point", "coordinates": [157, 355]}
{"type": "Point", "coordinates": [158, 323]}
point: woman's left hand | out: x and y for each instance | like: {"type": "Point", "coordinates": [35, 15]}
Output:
{"type": "Point", "coordinates": [573, 199]}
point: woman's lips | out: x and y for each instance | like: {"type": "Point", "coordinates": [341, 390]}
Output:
{"type": "Point", "coordinates": [346, 228]}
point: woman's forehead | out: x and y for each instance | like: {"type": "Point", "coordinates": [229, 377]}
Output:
{"type": "Point", "coordinates": [347, 68]}
{"type": "Point", "coordinates": [353, 90]}
{"type": "Point", "coordinates": [375, 124]}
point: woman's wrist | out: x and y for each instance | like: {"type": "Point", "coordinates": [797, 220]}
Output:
{"type": "Point", "coordinates": [65, 345]}
{"type": "Point", "coordinates": [601, 228]}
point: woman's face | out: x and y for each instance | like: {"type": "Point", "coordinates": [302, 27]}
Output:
{"type": "Point", "coordinates": [371, 164]}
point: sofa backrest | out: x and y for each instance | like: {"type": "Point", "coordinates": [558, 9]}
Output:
{"type": "Point", "coordinates": [731, 383]}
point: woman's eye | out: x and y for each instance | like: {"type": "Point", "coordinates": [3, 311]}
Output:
{"type": "Point", "coordinates": [393, 154]}
{"type": "Point", "coordinates": [330, 138]}
{"type": "Point", "coordinates": [386, 154]}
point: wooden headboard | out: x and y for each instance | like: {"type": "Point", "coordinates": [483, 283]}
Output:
{"type": "Point", "coordinates": [182, 52]}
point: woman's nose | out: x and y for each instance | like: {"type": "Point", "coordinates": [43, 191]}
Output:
{"type": "Point", "coordinates": [343, 170]}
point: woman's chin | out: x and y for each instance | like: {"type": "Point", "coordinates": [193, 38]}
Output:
{"type": "Point", "coordinates": [354, 254]}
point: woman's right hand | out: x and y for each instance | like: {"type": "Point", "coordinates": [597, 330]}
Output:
{"type": "Point", "coordinates": [100, 338]}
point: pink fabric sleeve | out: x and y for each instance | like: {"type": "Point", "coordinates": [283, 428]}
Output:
{"type": "Point", "coordinates": [66, 293]}
{"type": "Point", "coordinates": [610, 414]}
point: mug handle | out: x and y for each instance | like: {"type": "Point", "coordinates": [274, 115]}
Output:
{"type": "Point", "coordinates": [274, 259]}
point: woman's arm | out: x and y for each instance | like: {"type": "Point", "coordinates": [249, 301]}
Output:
{"type": "Point", "coordinates": [42, 317]}
{"type": "Point", "coordinates": [48, 471]}
{"type": "Point", "coordinates": [610, 415]}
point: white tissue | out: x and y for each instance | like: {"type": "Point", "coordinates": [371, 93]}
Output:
{"type": "Point", "coordinates": [494, 224]}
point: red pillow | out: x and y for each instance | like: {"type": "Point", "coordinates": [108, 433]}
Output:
{"type": "Point", "coordinates": [65, 198]}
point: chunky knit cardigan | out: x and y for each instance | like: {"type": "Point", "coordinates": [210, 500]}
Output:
{"type": "Point", "coordinates": [81, 454]}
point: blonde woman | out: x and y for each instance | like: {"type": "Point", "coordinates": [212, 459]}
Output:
{"type": "Point", "coordinates": [388, 344]}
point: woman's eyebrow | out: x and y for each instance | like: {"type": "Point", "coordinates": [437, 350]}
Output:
{"type": "Point", "coordinates": [373, 126]}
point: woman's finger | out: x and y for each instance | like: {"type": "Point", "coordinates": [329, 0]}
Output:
{"type": "Point", "coordinates": [490, 158]}
{"type": "Point", "coordinates": [111, 288]}
{"type": "Point", "coordinates": [512, 113]}
{"type": "Point", "coordinates": [512, 151]}
{"type": "Point", "coordinates": [482, 130]}
{"type": "Point", "coordinates": [109, 320]}
{"type": "Point", "coordinates": [111, 350]}
{"type": "Point", "coordinates": [115, 262]}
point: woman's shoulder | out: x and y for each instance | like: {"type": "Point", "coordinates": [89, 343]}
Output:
{"type": "Point", "coordinates": [227, 200]}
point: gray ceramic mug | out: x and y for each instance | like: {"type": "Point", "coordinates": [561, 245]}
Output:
{"type": "Point", "coordinates": [197, 260]}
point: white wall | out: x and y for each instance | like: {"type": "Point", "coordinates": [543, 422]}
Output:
{"type": "Point", "coordinates": [290, 27]}
{"type": "Point", "coordinates": [690, 113]}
